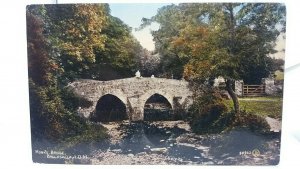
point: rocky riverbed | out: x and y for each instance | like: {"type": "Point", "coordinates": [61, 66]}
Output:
{"type": "Point", "coordinates": [168, 142]}
{"type": "Point", "coordinates": [172, 142]}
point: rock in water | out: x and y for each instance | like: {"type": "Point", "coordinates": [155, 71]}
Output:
{"type": "Point", "coordinates": [159, 150]}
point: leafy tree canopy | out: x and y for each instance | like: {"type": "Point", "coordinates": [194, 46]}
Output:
{"type": "Point", "coordinates": [232, 40]}
{"type": "Point", "coordinates": [67, 42]}
{"type": "Point", "coordinates": [209, 40]}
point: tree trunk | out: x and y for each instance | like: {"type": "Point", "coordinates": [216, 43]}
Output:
{"type": "Point", "coordinates": [229, 88]}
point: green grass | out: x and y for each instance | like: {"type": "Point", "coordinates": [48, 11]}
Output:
{"type": "Point", "coordinates": [279, 75]}
{"type": "Point", "coordinates": [262, 106]}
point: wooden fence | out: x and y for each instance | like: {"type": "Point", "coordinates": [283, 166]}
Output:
{"type": "Point", "coordinates": [254, 90]}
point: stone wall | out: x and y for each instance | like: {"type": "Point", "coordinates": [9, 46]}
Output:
{"type": "Point", "coordinates": [271, 88]}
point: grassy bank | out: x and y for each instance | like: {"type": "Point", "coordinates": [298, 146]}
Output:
{"type": "Point", "coordinates": [263, 106]}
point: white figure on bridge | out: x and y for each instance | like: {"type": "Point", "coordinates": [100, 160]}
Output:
{"type": "Point", "coordinates": [138, 74]}
{"type": "Point", "coordinates": [152, 76]}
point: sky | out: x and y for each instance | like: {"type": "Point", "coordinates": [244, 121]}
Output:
{"type": "Point", "coordinates": [132, 14]}
{"type": "Point", "coordinates": [280, 47]}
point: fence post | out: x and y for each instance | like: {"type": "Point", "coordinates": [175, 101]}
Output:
{"type": "Point", "coordinates": [239, 87]}
{"type": "Point", "coordinates": [270, 87]}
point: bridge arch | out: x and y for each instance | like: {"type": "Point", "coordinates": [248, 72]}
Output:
{"type": "Point", "coordinates": [118, 93]}
{"type": "Point", "coordinates": [150, 93]}
{"type": "Point", "coordinates": [109, 108]}
{"type": "Point", "coordinates": [157, 108]}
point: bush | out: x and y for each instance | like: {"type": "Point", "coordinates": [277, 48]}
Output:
{"type": "Point", "coordinates": [209, 114]}
{"type": "Point", "coordinates": [252, 121]}
{"type": "Point", "coordinates": [72, 101]}
{"type": "Point", "coordinates": [46, 112]}
{"type": "Point", "coordinates": [53, 116]}
{"type": "Point", "coordinates": [93, 133]}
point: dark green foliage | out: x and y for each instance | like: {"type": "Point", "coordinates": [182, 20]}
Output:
{"type": "Point", "coordinates": [72, 101]}
{"type": "Point", "coordinates": [209, 114]}
{"type": "Point", "coordinates": [47, 111]}
{"type": "Point", "coordinates": [277, 64]}
{"type": "Point", "coordinates": [119, 57]}
{"type": "Point", "coordinates": [91, 134]}
{"type": "Point", "coordinates": [252, 121]}
{"type": "Point", "coordinates": [57, 55]}
{"type": "Point", "coordinates": [232, 40]}
{"type": "Point", "coordinates": [206, 41]}
{"type": "Point", "coordinates": [255, 69]}
{"type": "Point", "coordinates": [67, 42]}
{"type": "Point", "coordinates": [53, 118]}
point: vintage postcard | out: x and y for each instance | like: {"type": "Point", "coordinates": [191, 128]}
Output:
{"type": "Point", "coordinates": [183, 84]}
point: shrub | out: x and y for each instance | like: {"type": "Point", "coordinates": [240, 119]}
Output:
{"type": "Point", "coordinates": [92, 134]}
{"type": "Point", "coordinates": [72, 101]}
{"type": "Point", "coordinates": [53, 116]}
{"type": "Point", "coordinates": [46, 112]}
{"type": "Point", "coordinates": [209, 114]}
{"type": "Point", "coordinates": [252, 121]}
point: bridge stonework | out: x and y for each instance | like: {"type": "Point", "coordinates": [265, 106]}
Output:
{"type": "Point", "coordinates": [133, 92]}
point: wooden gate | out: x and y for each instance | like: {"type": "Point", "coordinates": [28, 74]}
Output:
{"type": "Point", "coordinates": [254, 90]}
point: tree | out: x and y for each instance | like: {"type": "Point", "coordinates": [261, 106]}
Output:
{"type": "Point", "coordinates": [50, 39]}
{"type": "Point", "coordinates": [40, 65]}
{"type": "Point", "coordinates": [90, 43]}
{"type": "Point", "coordinates": [149, 63]}
{"type": "Point", "coordinates": [46, 106]}
{"type": "Point", "coordinates": [67, 42]}
{"type": "Point", "coordinates": [171, 21]}
{"type": "Point", "coordinates": [231, 40]}
{"type": "Point", "coordinates": [120, 56]}
{"type": "Point", "coordinates": [277, 64]}
{"type": "Point", "coordinates": [77, 29]}
{"type": "Point", "coordinates": [74, 32]}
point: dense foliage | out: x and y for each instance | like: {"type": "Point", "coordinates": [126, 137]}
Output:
{"type": "Point", "coordinates": [203, 41]}
{"type": "Point", "coordinates": [66, 42]}
{"type": "Point", "coordinates": [209, 114]}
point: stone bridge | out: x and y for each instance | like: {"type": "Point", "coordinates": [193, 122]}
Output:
{"type": "Point", "coordinates": [133, 92]}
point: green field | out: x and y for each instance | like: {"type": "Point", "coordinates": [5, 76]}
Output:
{"type": "Point", "coordinates": [263, 106]}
